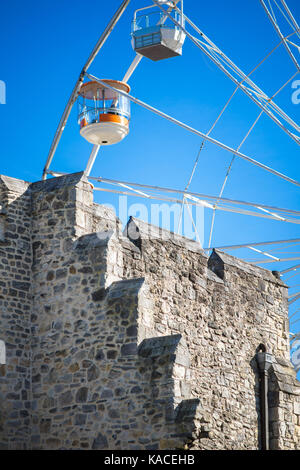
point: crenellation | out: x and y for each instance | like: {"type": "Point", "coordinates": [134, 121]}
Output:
{"type": "Point", "coordinates": [133, 340]}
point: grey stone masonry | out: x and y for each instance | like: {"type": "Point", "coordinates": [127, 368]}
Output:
{"type": "Point", "coordinates": [15, 311]}
{"type": "Point", "coordinates": [133, 340]}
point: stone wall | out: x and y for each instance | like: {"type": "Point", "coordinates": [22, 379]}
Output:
{"type": "Point", "coordinates": [15, 310]}
{"type": "Point", "coordinates": [284, 406]}
{"type": "Point", "coordinates": [135, 340]}
{"type": "Point", "coordinates": [225, 309]}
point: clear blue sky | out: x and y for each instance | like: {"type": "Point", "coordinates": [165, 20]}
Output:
{"type": "Point", "coordinates": [44, 46]}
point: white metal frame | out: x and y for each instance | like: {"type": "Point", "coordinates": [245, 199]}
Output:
{"type": "Point", "coordinates": [74, 94]}
{"type": "Point", "coordinates": [225, 204]}
{"type": "Point", "coordinates": [79, 82]}
{"type": "Point", "coordinates": [194, 131]}
{"type": "Point", "coordinates": [227, 66]}
{"type": "Point", "coordinates": [293, 23]}
{"type": "Point", "coordinates": [258, 94]}
{"type": "Point", "coordinates": [238, 148]}
{"type": "Point", "coordinates": [243, 141]}
{"type": "Point", "coordinates": [243, 83]}
{"type": "Point", "coordinates": [292, 297]}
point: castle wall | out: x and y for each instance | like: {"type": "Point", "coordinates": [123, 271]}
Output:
{"type": "Point", "coordinates": [71, 270]}
{"type": "Point", "coordinates": [90, 387]}
{"type": "Point", "coordinates": [15, 310]}
{"type": "Point", "coordinates": [225, 309]}
{"type": "Point", "coordinates": [131, 341]}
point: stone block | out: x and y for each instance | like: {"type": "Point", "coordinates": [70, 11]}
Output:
{"type": "Point", "coordinates": [297, 408]}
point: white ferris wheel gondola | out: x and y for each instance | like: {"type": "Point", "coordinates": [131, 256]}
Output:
{"type": "Point", "coordinates": [104, 114]}
{"type": "Point", "coordinates": [104, 111]}
{"type": "Point", "coordinates": [153, 34]}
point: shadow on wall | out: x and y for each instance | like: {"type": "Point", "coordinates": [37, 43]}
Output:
{"type": "Point", "coordinates": [253, 364]}
{"type": "Point", "coordinates": [257, 388]}
{"type": "Point", "coordinates": [2, 358]}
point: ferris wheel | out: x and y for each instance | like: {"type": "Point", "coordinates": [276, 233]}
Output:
{"type": "Point", "coordinates": [159, 31]}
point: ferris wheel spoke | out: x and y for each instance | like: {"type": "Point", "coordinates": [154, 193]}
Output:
{"type": "Point", "coordinates": [215, 123]}
{"type": "Point", "coordinates": [252, 90]}
{"type": "Point", "coordinates": [194, 131]}
{"type": "Point", "coordinates": [246, 245]}
{"type": "Point", "coordinates": [238, 148]}
{"type": "Point", "coordinates": [92, 159]}
{"type": "Point", "coordinates": [132, 67]}
{"type": "Point", "coordinates": [275, 24]}
{"type": "Point", "coordinates": [289, 13]}
{"type": "Point", "coordinates": [79, 82]}
{"type": "Point", "coordinates": [155, 192]}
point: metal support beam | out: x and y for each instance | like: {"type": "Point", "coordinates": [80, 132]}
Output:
{"type": "Point", "coordinates": [294, 22]}
{"type": "Point", "coordinates": [278, 31]}
{"type": "Point", "coordinates": [293, 268]}
{"type": "Point", "coordinates": [293, 275]}
{"type": "Point", "coordinates": [251, 90]}
{"type": "Point", "coordinates": [92, 159]}
{"type": "Point", "coordinates": [233, 159]}
{"type": "Point", "coordinates": [291, 316]}
{"type": "Point", "coordinates": [295, 298]}
{"type": "Point", "coordinates": [194, 131]}
{"type": "Point", "coordinates": [246, 245]}
{"type": "Point", "coordinates": [74, 94]}
{"type": "Point", "coordinates": [132, 67]}
{"type": "Point", "coordinates": [197, 195]}
{"type": "Point", "coordinates": [276, 261]}
{"type": "Point", "coordinates": [195, 198]}
{"type": "Point", "coordinates": [193, 223]}
{"type": "Point", "coordinates": [265, 253]}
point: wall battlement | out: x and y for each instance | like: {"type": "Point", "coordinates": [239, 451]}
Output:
{"type": "Point", "coordinates": [133, 340]}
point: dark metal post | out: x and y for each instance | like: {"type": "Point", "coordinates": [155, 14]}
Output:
{"type": "Point", "coordinates": [264, 410]}
{"type": "Point", "coordinates": [264, 361]}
